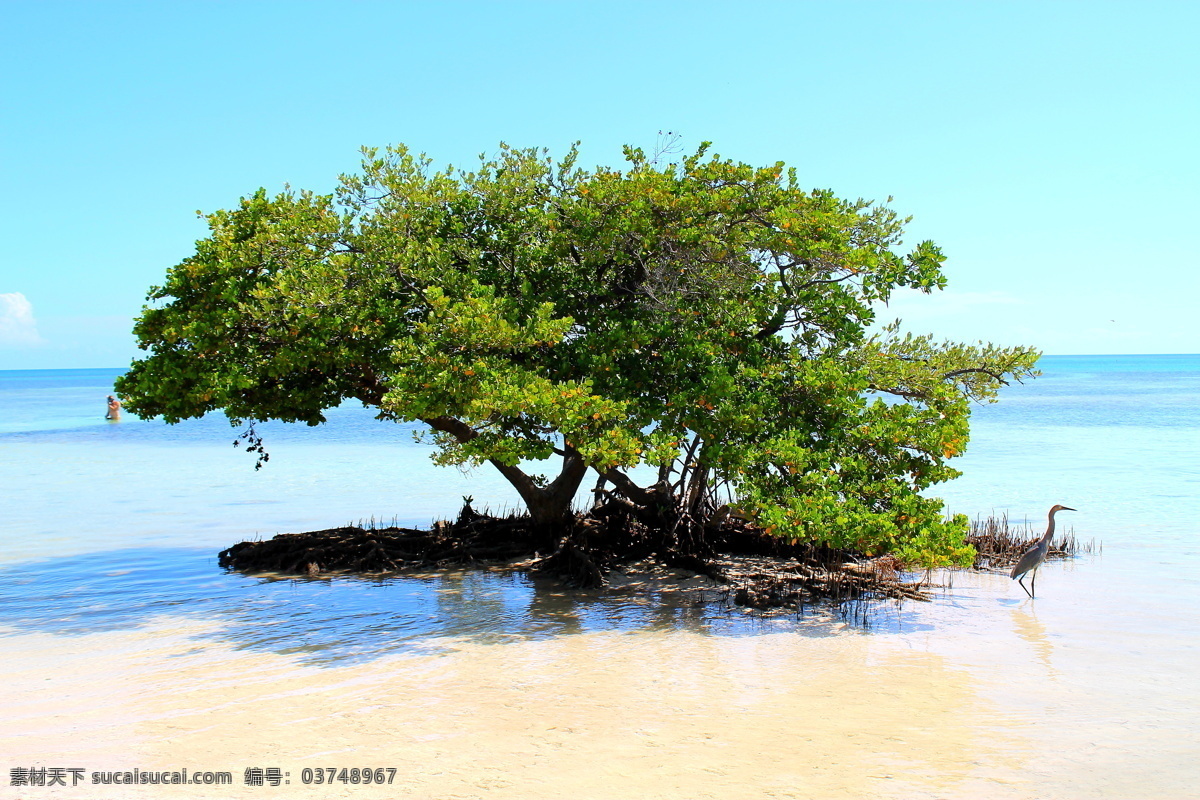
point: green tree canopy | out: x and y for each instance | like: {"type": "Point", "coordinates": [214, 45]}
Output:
{"type": "Point", "coordinates": [705, 318]}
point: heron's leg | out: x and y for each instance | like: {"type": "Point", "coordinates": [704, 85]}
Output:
{"type": "Point", "coordinates": [1021, 580]}
{"type": "Point", "coordinates": [1034, 582]}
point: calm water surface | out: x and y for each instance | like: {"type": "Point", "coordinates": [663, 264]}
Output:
{"type": "Point", "coordinates": [111, 529]}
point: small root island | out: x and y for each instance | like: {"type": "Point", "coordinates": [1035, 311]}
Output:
{"type": "Point", "coordinates": [757, 571]}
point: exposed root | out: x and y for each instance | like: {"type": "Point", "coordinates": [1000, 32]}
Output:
{"type": "Point", "coordinates": [999, 544]}
{"type": "Point", "coordinates": [573, 564]}
{"type": "Point", "coordinates": [474, 538]}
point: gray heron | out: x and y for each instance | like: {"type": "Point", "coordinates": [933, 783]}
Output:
{"type": "Point", "coordinates": [1036, 554]}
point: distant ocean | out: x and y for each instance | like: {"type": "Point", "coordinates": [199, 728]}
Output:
{"type": "Point", "coordinates": [1115, 436]}
{"type": "Point", "coordinates": [110, 527]}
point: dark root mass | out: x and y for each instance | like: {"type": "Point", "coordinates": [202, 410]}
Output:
{"type": "Point", "coordinates": [754, 569]}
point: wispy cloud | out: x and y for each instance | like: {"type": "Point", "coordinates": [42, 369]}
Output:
{"type": "Point", "coordinates": [17, 325]}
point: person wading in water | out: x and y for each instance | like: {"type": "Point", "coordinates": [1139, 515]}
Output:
{"type": "Point", "coordinates": [114, 409]}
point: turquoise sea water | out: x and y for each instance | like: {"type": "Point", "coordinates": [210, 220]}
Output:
{"type": "Point", "coordinates": [114, 526]}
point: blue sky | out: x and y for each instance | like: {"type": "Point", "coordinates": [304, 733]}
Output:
{"type": "Point", "coordinates": [1050, 148]}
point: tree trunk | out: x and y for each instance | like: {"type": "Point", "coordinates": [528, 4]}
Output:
{"type": "Point", "coordinates": [549, 506]}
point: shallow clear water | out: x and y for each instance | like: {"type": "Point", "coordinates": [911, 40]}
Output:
{"type": "Point", "coordinates": [111, 530]}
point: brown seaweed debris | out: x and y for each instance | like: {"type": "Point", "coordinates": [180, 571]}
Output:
{"type": "Point", "coordinates": [766, 583]}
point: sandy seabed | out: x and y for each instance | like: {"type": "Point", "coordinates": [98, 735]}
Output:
{"type": "Point", "coordinates": [606, 715]}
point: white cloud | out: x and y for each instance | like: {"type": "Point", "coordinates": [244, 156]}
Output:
{"type": "Point", "coordinates": [17, 325]}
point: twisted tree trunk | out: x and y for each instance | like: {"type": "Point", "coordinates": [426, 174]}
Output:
{"type": "Point", "coordinates": [550, 505]}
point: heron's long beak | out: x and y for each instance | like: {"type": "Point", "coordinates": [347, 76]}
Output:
{"type": "Point", "coordinates": [1065, 508]}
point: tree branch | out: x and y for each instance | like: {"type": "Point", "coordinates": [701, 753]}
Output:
{"type": "Point", "coordinates": [627, 487]}
{"type": "Point", "coordinates": [980, 370]}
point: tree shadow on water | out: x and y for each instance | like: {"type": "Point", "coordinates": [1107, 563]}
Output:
{"type": "Point", "coordinates": [341, 620]}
